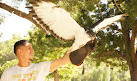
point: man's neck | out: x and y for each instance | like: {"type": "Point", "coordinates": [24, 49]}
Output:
{"type": "Point", "coordinates": [23, 63]}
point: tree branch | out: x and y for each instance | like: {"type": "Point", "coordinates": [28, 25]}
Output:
{"type": "Point", "coordinates": [13, 10]}
{"type": "Point", "coordinates": [116, 29]}
{"type": "Point", "coordinates": [118, 7]}
{"type": "Point", "coordinates": [100, 10]}
{"type": "Point", "coordinates": [20, 14]}
{"type": "Point", "coordinates": [111, 53]}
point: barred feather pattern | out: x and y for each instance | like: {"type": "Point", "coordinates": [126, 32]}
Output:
{"type": "Point", "coordinates": [107, 22]}
{"type": "Point", "coordinates": [61, 24]}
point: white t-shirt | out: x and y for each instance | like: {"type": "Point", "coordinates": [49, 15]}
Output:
{"type": "Point", "coordinates": [34, 72]}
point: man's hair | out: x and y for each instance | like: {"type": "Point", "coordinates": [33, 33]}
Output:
{"type": "Point", "coordinates": [18, 44]}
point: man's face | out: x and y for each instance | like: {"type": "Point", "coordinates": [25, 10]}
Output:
{"type": "Point", "coordinates": [27, 52]}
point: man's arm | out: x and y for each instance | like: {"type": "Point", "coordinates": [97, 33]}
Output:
{"type": "Point", "coordinates": [59, 62]}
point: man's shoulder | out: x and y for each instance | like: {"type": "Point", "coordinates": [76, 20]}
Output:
{"type": "Point", "coordinates": [11, 68]}
{"type": "Point", "coordinates": [44, 63]}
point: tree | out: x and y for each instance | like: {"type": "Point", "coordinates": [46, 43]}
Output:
{"type": "Point", "coordinates": [116, 46]}
{"type": "Point", "coordinates": [119, 43]}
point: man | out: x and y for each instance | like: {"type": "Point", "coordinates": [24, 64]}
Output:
{"type": "Point", "coordinates": [27, 71]}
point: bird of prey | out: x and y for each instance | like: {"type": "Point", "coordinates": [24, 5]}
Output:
{"type": "Point", "coordinates": [59, 23]}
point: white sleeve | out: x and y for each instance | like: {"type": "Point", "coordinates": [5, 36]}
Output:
{"type": "Point", "coordinates": [44, 67]}
{"type": "Point", "coordinates": [4, 76]}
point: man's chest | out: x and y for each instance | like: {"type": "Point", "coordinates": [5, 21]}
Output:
{"type": "Point", "coordinates": [31, 75]}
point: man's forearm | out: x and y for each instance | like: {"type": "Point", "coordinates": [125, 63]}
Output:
{"type": "Point", "coordinates": [60, 62]}
{"type": "Point", "coordinates": [65, 59]}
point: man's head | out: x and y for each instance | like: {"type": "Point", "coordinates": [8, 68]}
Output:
{"type": "Point", "coordinates": [23, 50]}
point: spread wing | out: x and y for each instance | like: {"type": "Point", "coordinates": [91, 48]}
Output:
{"type": "Point", "coordinates": [108, 21]}
{"type": "Point", "coordinates": [59, 23]}
{"type": "Point", "coordinates": [56, 20]}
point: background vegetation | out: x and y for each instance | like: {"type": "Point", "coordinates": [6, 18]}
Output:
{"type": "Point", "coordinates": [115, 58]}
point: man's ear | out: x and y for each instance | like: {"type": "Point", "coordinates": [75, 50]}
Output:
{"type": "Point", "coordinates": [19, 51]}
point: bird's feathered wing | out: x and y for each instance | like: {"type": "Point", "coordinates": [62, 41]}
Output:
{"type": "Point", "coordinates": [108, 21]}
{"type": "Point", "coordinates": [59, 23]}
{"type": "Point", "coordinates": [57, 19]}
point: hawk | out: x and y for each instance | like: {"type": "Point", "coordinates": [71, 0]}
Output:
{"type": "Point", "coordinates": [59, 23]}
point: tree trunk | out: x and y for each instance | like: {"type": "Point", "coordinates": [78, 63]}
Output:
{"type": "Point", "coordinates": [133, 70]}
{"type": "Point", "coordinates": [56, 75]}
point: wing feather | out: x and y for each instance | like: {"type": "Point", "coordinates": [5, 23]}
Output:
{"type": "Point", "coordinates": [59, 23]}
{"type": "Point", "coordinates": [106, 22]}
{"type": "Point", "coordinates": [58, 20]}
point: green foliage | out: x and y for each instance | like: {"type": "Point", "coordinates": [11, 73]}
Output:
{"type": "Point", "coordinates": [8, 64]}
{"type": "Point", "coordinates": [102, 73]}
{"type": "Point", "coordinates": [80, 11]}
